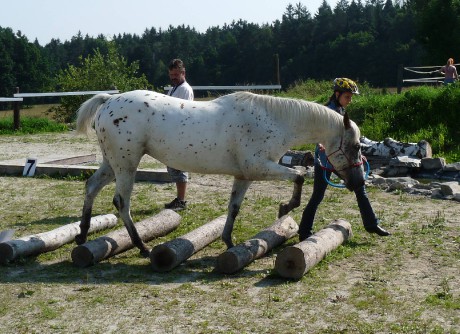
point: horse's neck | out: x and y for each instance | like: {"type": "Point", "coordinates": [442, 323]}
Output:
{"type": "Point", "coordinates": [306, 122]}
{"type": "Point", "coordinates": [317, 123]}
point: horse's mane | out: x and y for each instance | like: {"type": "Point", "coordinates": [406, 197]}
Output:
{"type": "Point", "coordinates": [290, 110]}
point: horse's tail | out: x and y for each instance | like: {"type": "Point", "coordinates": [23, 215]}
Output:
{"type": "Point", "coordinates": [87, 112]}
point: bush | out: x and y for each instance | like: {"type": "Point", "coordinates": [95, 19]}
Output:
{"type": "Point", "coordinates": [30, 125]}
{"type": "Point", "coordinates": [422, 113]}
{"type": "Point", "coordinates": [97, 72]}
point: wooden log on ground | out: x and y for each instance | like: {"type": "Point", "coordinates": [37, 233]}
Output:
{"type": "Point", "coordinates": [48, 241]}
{"type": "Point", "coordinates": [119, 241]}
{"type": "Point", "coordinates": [294, 261]}
{"type": "Point", "coordinates": [170, 254]}
{"type": "Point", "coordinates": [393, 148]}
{"type": "Point", "coordinates": [236, 258]}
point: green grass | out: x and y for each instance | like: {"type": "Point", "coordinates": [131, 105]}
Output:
{"type": "Point", "coordinates": [30, 125]}
{"type": "Point", "coordinates": [358, 288]}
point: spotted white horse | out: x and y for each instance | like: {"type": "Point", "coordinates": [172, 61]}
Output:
{"type": "Point", "coordinates": [241, 134]}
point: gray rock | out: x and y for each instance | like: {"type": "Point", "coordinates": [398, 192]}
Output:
{"type": "Point", "coordinates": [454, 167]}
{"type": "Point", "coordinates": [394, 171]}
{"type": "Point", "coordinates": [419, 191]}
{"type": "Point", "coordinates": [405, 161]}
{"type": "Point", "coordinates": [433, 163]}
{"type": "Point", "coordinates": [450, 188]}
{"type": "Point", "coordinates": [457, 197]}
{"type": "Point", "coordinates": [437, 194]}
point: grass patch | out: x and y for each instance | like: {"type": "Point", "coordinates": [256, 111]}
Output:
{"type": "Point", "coordinates": [30, 125]}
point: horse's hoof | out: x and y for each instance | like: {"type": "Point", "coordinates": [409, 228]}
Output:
{"type": "Point", "coordinates": [80, 240]}
{"type": "Point", "coordinates": [145, 253]}
{"type": "Point", "coordinates": [228, 243]}
{"type": "Point", "coordinates": [283, 210]}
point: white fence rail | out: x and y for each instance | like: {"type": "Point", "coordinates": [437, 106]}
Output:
{"type": "Point", "coordinates": [11, 99]}
{"type": "Point", "coordinates": [210, 88]}
{"type": "Point", "coordinates": [91, 92]}
{"type": "Point", "coordinates": [19, 97]}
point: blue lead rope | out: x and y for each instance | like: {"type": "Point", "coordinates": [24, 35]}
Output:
{"type": "Point", "coordinates": [341, 185]}
{"type": "Point", "coordinates": [330, 168]}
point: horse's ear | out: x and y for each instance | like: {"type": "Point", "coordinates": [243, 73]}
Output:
{"type": "Point", "coordinates": [346, 121]}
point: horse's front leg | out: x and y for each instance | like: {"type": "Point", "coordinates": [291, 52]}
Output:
{"type": "Point", "coordinates": [103, 176]}
{"type": "Point", "coordinates": [275, 171]}
{"type": "Point", "coordinates": [238, 191]}
{"type": "Point", "coordinates": [294, 202]}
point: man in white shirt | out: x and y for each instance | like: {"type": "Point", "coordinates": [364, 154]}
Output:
{"type": "Point", "coordinates": [182, 90]}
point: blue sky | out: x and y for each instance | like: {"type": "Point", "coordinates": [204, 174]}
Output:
{"type": "Point", "coordinates": [47, 19]}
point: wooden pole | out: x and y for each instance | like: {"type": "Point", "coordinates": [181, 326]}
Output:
{"type": "Point", "coordinates": [276, 69]}
{"type": "Point", "coordinates": [170, 254]}
{"type": "Point", "coordinates": [236, 258]}
{"type": "Point", "coordinates": [119, 241]}
{"type": "Point", "coordinates": [16, 113]}
{"type": "Point", "coordinates": [48, 241]}
{"type": "Point", "coordinates": [294, 261]}
{"type": "Point", "coordinates": [399, 83]}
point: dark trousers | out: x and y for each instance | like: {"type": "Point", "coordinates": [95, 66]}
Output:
{"type": "Point", "coordinates": [319, 189]}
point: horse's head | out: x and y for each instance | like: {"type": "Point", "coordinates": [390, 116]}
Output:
{"type": "Point", "coordinates": [344, 154]}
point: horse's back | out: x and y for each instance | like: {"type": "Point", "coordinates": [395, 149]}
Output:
{"type": "Point", "coordinates": [188, 135]}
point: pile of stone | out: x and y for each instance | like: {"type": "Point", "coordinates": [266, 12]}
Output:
{"type": "Point", "coordinates": [397, 166]}
{"type": "Point", "coordinates": [403, 173]}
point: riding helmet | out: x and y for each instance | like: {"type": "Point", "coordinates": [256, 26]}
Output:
{"type": "Point", "coordinates": [345, 85]}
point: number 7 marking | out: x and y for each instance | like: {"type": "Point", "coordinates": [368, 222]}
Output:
{"type": "Point", "coordinates": [29, 167]}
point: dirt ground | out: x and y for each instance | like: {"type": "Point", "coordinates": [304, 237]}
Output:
{"type": "Point", "coordinates": [399, 284]}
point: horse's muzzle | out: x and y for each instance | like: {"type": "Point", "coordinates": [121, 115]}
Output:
{"type": "Point", "coordinates": [355, 178]}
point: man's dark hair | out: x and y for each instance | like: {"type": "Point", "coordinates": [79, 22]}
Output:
{"type": "Point", "coordinates": [176, 64]}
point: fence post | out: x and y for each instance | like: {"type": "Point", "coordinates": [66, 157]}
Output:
{"type": "Point", "coordinates": [16, 111]}
{"type": "Point", "coordinates": [400, 78]}
{"type": "Point", "coordinates": [276, 68]}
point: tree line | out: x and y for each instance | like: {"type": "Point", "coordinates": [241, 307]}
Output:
{"type": "Point", "coordinates": [364, 40]}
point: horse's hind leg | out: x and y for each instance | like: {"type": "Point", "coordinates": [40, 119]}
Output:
{"type": "Point", "coordinates": [122, 201]}
{"type": "Point", "coordinates": [103, 176]}
{"type": "Point", "coordinates": [238, 191]}
{"type": "Point", "coordinates": [294, 202]}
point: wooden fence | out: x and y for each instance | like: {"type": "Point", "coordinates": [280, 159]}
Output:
{"type": "Point", "coordinates": [419, 75]}
{"type": "Point", "coordinates": [19, 97]}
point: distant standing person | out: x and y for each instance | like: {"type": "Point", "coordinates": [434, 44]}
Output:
{"type": "Point", "coordinates": [182, 90]}
{"type": "Point", "coordinates": [449, 71]}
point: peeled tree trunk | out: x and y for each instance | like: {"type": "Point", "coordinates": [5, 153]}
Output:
{"type": "Point", "coordinates": [119, 241]}
{"type": "Point", "coordinates": [294, 261]}
{"type": "Point", "coordinates": [48, 241]}
{"type": "Point", "coordinates": [170, 254]}
{"type": "Point", "coordinates": [393, 148]}
{"type": "Point", "coordinates": [236, 258]}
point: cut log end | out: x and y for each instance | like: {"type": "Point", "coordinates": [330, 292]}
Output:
{"type": "Point", "coordinates": [294, 261]}
{"type": "Point", "coordinates": [7, 252]}
{"type": "Point", "coordinates": [290, 263]}
{"type": "Point", "coordinates": [236, 258]}
{"type": "Point", "coordinates": [82, 257]}
{"type": "Point", "coordinates": [163, 258]}
{"type": "Point", "coordinates": [170, 254]}
{"type": "Point", "coordinates": [227, 263]}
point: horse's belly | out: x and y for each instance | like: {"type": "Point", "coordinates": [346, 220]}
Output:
{"type": "Point", "coordinates": [197, 159]}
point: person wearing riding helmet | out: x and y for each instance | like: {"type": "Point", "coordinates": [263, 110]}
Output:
{"type": "Point", "coordinates": [344, 89]}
